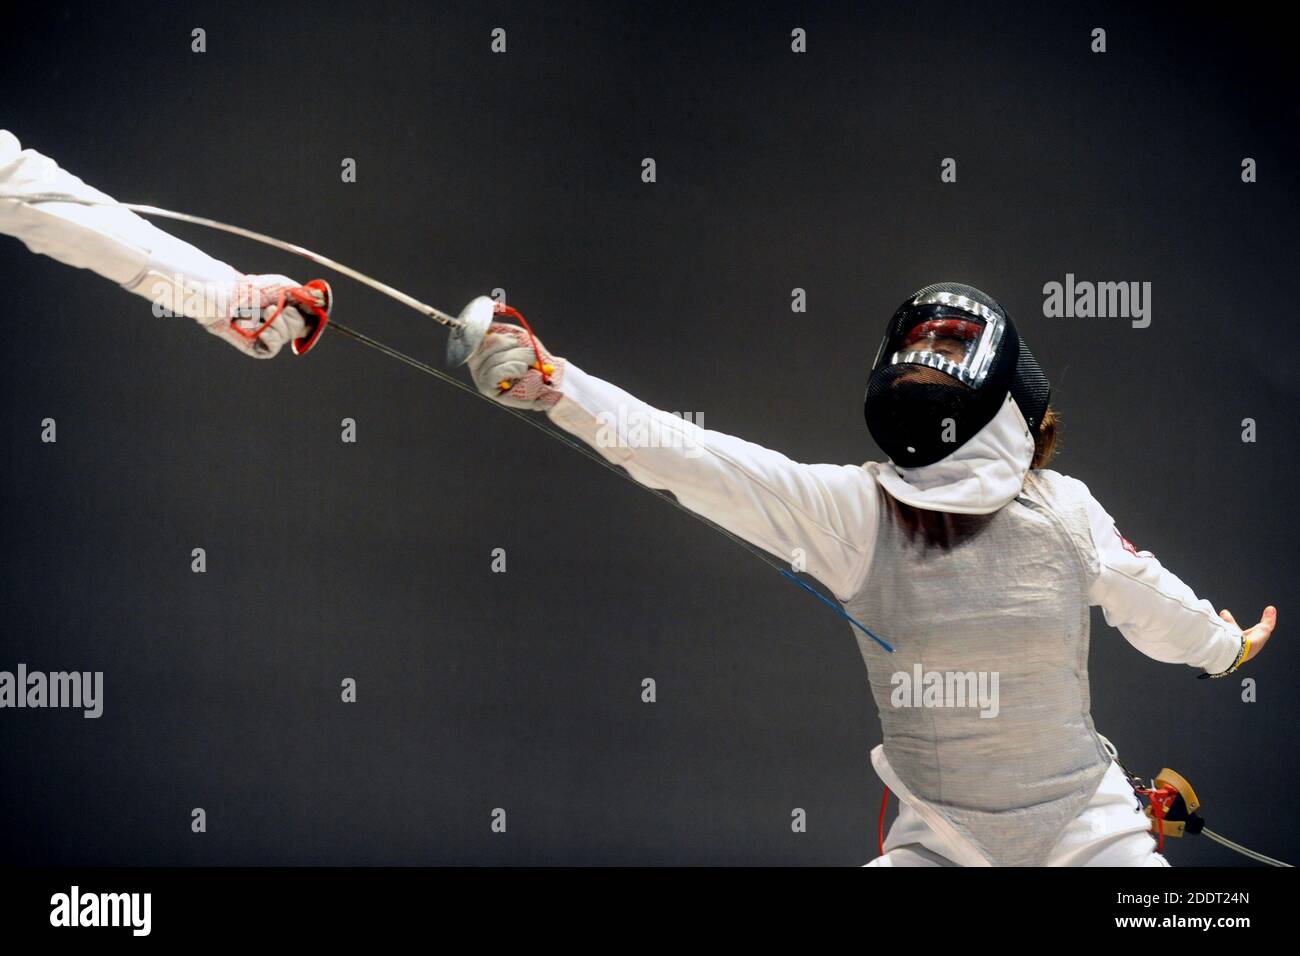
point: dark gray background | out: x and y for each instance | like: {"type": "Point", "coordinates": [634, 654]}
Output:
{"type": "Point", "coordinates": [371, 561]}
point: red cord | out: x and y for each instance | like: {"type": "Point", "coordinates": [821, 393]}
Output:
{"type": "Point", "coordinates": [303, 299]}
{"type": "Point", "coordinates": [1161, 800]}
{"type": "Point", "coordinates": [880, 824]}
{"type": "Point", "coordinates": [502, 309]}
{"type": "Point", "coordinates": [256, 333]}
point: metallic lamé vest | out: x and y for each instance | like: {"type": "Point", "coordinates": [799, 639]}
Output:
{"type": "Point", "coordinates": [1011, 598]}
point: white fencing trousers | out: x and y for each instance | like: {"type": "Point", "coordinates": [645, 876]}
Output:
{"type": "Point", "coordinates": [1111, 830]}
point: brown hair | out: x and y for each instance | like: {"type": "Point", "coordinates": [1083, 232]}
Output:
{"type": "Point", "coordinates": [1045, 440]}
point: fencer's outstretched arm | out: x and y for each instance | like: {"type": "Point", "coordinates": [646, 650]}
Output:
{"type": "Point", "coordinates": [1155, 611]}
{"type": "Point", "coordinates": [137, 255]}
{"type": "Point", "coordinates": [828, 512]}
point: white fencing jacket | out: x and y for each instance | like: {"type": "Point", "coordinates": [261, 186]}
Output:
{"type": "Point", "coordinates": [115, 243]}
{"type": "Point", "coordinates": [973, 793]}
{"type": "Point", "coordinates": [831, 513]}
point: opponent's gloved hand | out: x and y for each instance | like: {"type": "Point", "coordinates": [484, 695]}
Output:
{"type": "Point", "coordinates": [504, 367]}
{"type": "Point", "coordinates": [255, 302]}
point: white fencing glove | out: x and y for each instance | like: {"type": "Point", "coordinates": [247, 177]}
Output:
{"type": "Point", "coordinates": [261, 320]}
{"type": "Point", "coordinates": [504, 367]}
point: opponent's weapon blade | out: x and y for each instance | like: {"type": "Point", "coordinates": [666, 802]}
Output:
{"type": "Point", "coordinates": [467, 329]}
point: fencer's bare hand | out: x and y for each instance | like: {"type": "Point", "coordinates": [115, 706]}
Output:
{"type": "Point", "coordinates": [1260, 633]}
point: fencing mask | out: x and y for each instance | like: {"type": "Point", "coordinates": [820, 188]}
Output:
{"type": "Point", "coordinates": [949, 358]}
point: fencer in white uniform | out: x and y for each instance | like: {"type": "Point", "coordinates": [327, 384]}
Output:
{"type": "Point", "coordinates": [1030, 550]}
{"type": "Point", "coordinates": [1032, 786]}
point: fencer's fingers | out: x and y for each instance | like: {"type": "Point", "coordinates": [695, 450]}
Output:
{"type": "Point", "coordinates": [488, 349]}
{"type": "Point", "coordinates": [294, 321]}
{"type": "Point", "coordinates": [1266, 623]}
{"type": "Point", "coordinates": [490, 378]}
{"type": "Point", "coordinates": [286, 327]}
{"type": "Point", "coordinates": [512, 370]}
{"type": "Point", "coordinates": [518, 334]}
{"type": "Point", "coordinates": [1227, 616]}
{"type": "Point", "coordinates": [496, 345]}
{"type": "Point", "coordinates": [491, 365]}
{"type": "Point", "coordinates": [1261, 632]}
{"type": "Point", "coordinates": [499, 332]}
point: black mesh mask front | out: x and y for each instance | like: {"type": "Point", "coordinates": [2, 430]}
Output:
{"type": "Point", "coordinates": [919, 415]}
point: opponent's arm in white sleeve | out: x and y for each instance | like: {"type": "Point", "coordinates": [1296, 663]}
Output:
{"type": "Point", "coordinates": [1155, 611]}
{"type": "Point", "coordinates": [827, 511]}
{"type": "Point", "coordinates": [121, 246]}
